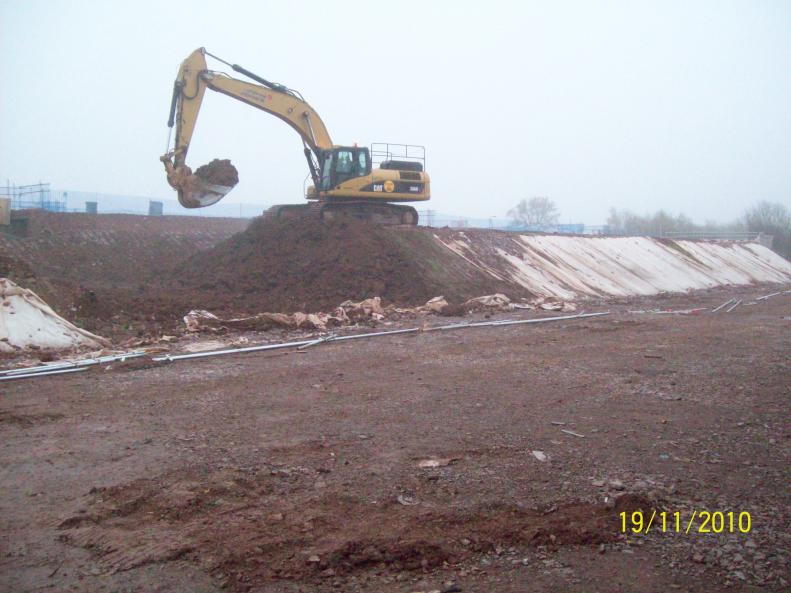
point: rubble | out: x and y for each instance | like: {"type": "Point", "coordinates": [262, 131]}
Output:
{"type": "Point", "coordinates": [218, 172]}
{"type": "Point", "coordinates": [440, 462]}
{"type": "Point", "coordinates": [368, 311]}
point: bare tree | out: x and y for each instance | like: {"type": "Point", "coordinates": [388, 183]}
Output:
{"type": "Point", "coordinates": [539, 210]}
{"type": "Point", "coordinates": [657, 224]}
{"type": "Point", "coordinates": [773, 219]}
{"type": "Point", "coordinates": [768, 217]}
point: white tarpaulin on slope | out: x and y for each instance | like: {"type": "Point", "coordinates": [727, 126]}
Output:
{"type": "Point", "coordinates": [26, 320]}
{"type": "Point", "coordinates": [570, 266]}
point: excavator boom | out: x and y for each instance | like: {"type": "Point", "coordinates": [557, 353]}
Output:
{"type": "Point", "coordinates": [188, 90]}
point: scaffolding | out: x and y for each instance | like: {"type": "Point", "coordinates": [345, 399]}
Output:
{"type": "Point", "coordinates": [37, 196]}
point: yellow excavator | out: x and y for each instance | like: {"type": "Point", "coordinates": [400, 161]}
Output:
{"type": "Point", "coordinates": [347, 180]}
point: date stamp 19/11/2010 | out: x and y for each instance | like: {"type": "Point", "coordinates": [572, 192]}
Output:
{"type": "Point", "coordinates": [695, 522]}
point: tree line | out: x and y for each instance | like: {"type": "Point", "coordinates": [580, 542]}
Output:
{"type": "Point", "coordinates": [771, 218]}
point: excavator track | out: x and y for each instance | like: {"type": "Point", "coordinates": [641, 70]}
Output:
{"type": "Point", "coordinates": [373, 212]}
{"type": "Point", "coordinates": [290, 211]}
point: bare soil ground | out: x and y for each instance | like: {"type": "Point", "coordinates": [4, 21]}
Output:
{"type": "Point", "coordinates": [288, 472]}
{"type": "Point", "coordinates": [106, 272]}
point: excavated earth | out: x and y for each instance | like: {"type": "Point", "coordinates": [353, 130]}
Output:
{"type": "Point", "coordinates": [108, 272]}
{"type": "Point", "coordinates": [125, 275]}
{"type": "Point", "coordinates": [309, 265]}
{"type": "Point", "coordinates": [218, 172]}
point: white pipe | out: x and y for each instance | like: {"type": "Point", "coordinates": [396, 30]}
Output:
{"type": "Point", "coordinates": [518, 321]}
{"type": "Point", "coordinates": [171, 358]}
{"type": "Point", "coordinates": [81, 365]}
{"type": "Point", "coordinates": [317, 342]}
{"type": "Point", "coordinates": [73, 363]}
{"type": "Point", "coordinates": [31, 375]}
{"type": "Point", "coordinates": [725, 304]}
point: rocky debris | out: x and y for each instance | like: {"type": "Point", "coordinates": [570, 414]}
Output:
{"type": "Point", "coordinates": [346, 313]}
{"type": "Point", "coordinates": [218, 172]}
{"type": "Point", "coordinates": [499, 302]}
{"type": "Point", "coordinates": [436, 462]}
{"type": "Point", "coordinates": [369, 311]}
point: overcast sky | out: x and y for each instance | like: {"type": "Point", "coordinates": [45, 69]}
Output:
{"type": "Point", "coordinates": [684, 105]}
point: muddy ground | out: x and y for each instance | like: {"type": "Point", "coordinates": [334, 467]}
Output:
{"type": "Point", "coordinates": [288, 471]}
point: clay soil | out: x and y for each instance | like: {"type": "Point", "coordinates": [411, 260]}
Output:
{"type": "Point", "coordinates": [218, 172]}
{"type": "Point", "coordinates": [108, 272]}
{"type": "Point", "coordinates": [301, 471]}
{"type": "Point", "coordinates": [309, 265]}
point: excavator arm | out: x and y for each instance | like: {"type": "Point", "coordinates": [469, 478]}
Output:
{"type": "Point", "coordinates": [193, 79]}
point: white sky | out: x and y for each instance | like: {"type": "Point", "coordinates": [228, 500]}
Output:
{"type": "Point", "coordinates": [640, 105]}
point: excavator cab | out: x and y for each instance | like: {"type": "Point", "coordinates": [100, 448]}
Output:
{"type": "Point", "coordinates": [342, 163]}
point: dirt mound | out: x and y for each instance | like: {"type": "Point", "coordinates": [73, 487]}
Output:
{"type": "Point", "coordinates": [105, 272]}
{"type": "Point", "coordinates": [310, 265]}
{"type": "Point", "coordinates": [219, 172]}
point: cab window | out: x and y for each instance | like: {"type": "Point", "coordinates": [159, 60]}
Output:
{"type": "Point", "coordinates": [326, 172]}
{"type": "Point", "coordinates": [362, 163]}
{"type": "Point", "coordinates": [344, 162]}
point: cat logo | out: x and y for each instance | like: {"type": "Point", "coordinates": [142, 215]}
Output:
{"type": "Point", "coordinates": [389, 186]}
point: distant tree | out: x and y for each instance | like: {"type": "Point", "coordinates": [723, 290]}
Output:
{"type": "Point", "coordinates": [773, 219]}
{"type": "Point", "coordinates": [615, 220]}
{"type": "Point", "coordinates": [658, 224]}
{"type": "Point", "coordinates": [539, 210]}
{"type": "Point", "coordinates": [766, 216]}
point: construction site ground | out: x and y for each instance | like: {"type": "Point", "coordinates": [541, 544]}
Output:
{"type": "Point", "coordinates": [301, 471]}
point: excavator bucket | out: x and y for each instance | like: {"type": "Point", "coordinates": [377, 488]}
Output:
{"type": "Point", "coordinates": [208, 185]}
{"type": "Point", "coordinates": [195, 193]}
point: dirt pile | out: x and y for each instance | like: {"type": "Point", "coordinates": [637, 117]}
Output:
{"type": "Point", "coordinates": [218, 172]}
{"type": "Point", "coordinates": [309, 265]}
{"type": "Point", "coordinates": [104, 272]}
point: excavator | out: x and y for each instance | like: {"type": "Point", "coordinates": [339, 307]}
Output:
{"type": "Point", "coordinates": [347, 180]}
